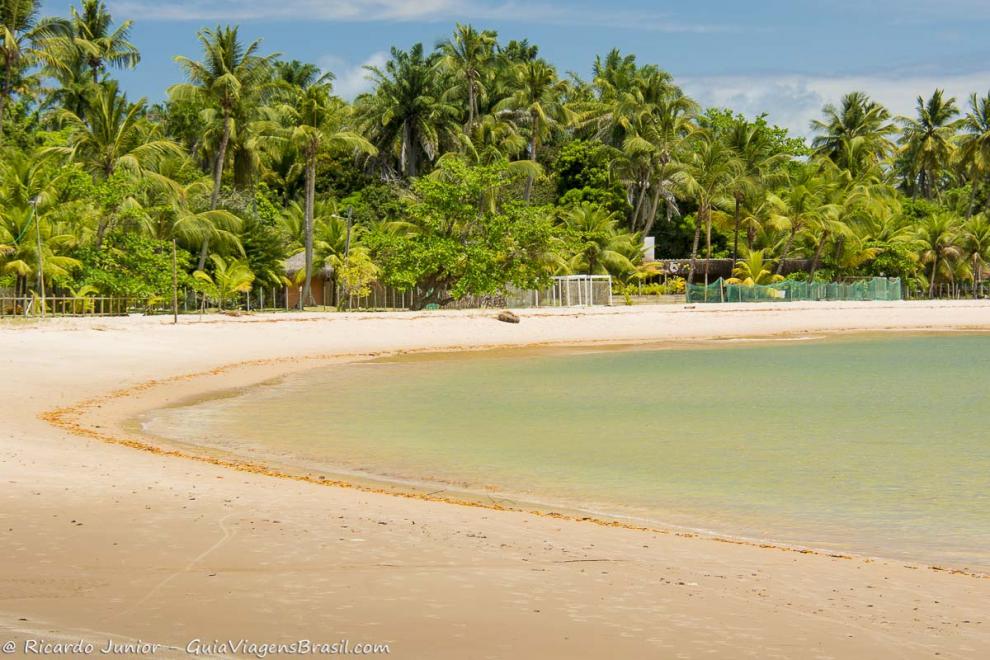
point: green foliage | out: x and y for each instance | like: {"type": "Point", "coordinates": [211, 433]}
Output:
{"type": "Point", "coordinates": [460, 246]}
{"type": "Point", "coordinates": [582, 173]}
{"type": "Point", "coordinates": [131, 266]}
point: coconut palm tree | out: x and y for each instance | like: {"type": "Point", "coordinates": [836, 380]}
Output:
{"type": "Point", "coordinates": [804, 202]}
{"type": "Point", "coordinates": [974, 144]}
{"type": "Point", "coordinates": [762, 167]}
{"type": "Point", "coordinates": [937, 237]}
{"type": "Point", "coordinates": [538, 97]}
{"type": "Point", "coordinates": [114, 135]}
{"type": "Point", "coordinates": [975, 240]}
{"type": "Point", "coordinates": [927, 142]}
{"type": "Point", "coordinates": [651, 161]}
{"type": "Point", "coordinates": [468, 54]}
{"type": "Point", "coordinates": [22, 32]}
{"type": "Point", "coordinates": [102, 45]}
{"type": "Point", "coordinates": [229, 78]}
{"type": "Point", "coordinates": [601, 247]}
{"type": "Point", "coordinates": [407, 116]}
{"type": "Point", "coordinates": [712, 174]}
{"type": "Point", "coordinates": [318, 122]}
{"type": "Point", "coordinates": [859, 125]}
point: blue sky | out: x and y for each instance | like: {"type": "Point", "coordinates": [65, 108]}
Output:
{"type": "Point", "coordinates": [783, 57]}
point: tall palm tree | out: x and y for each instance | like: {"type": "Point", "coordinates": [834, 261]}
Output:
{"type": "Point", "coordinates": [927, 141]}
{"type": "Point", "coordinates": [859, 121]}
{"type": "Point", "coordinates": [974, 144]}
{"type": "Point", "coordinates": [937, 237]}
{"type": "Point", "coordinates": [318, 123]}
{"type": "Point", "coordinates": [21, 32]}
{"type": "Point", "coordinates": [762, 167]}
{"type": "Point", "coordinates": [976, 242]}
{"type": "Point", "coordinates": [713, 170]}
{"type": "Point", "coordinates": [804, 203]}
{"type": "Point", "coordinates": [538, 95]}
{"type": "Point", "coordinates": [229, 77]}
{"type": "Point", "coordinates": [407, 116]}
{"type": "Point", "coordinates": [468, 53]}
{"type": "Point", "coordinates": [102, 44]}
{"type": "Point", "coordinates": [114, 135]}
{"type": "Point", "coordinates": [651, 164]}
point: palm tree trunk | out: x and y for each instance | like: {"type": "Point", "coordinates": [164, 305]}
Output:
{"type": "Point", "coordinates": [6, 91]}
{"type": "Point", "coordinates": [694, 247]}
{"type": "Point", "coordinates": [652, 213]}
{"type": "Point", "coordinates": [217, 178]}
{"type": "Point", "coordinates": [735, 233]}
{"type": "Point", "coordinates": [472, 102]}
{"type": "Point", "coordinates": [818, 255]}
{"type": "Point", "coordinates": [786, 251]}
{"type": "Point", "coordinates": [931, 283]}
{"type": "Point", "coordinates": [307, 294]}
{"type": "Point", "coordinates": [408, 150]}
{"type": "Point", "coordinates": [533, 141]}
{"type": "Point", "coordinates": [639, 206]}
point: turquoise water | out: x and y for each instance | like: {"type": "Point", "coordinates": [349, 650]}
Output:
{"type": "Point", "coordinates": [874, 445]}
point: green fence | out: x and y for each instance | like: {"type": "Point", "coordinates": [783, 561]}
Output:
{"type": "Point", "coordinates": [719, 291]}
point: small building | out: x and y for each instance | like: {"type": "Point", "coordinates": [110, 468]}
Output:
{"type": "Point", "coordinates": [322, 283]}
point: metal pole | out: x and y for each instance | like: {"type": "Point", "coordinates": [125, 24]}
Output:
{"type": "Point", "coordinates": [175, 286]}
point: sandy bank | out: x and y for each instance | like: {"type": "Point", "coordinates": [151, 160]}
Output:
{"type": "Point", "coordinates": [99, 539]}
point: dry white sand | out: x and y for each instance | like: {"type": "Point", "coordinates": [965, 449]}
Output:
{"type": "Point", "coordinates": [99, 540]}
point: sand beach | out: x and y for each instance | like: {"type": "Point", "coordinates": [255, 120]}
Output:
{"type": "Point", "coordinates": [103, 537]}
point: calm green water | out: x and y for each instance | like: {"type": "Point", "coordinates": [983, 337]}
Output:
{"type": "Point", "coordinates": [870, 445]}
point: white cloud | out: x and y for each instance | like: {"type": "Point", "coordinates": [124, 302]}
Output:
{"type": "Point", "coordinates": [406, 10]}
{"type": "Point", "coordinates": [349, 79]}
{"type": "Point", "coordinates": [793, 100]}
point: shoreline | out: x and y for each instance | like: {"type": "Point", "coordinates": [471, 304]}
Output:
{"type": "Point", "coordinates": [80, 420]}
{"type": "Point", "coordinates": [104, 540]}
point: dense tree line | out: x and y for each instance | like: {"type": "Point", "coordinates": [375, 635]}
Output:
{"type": "Point", "coordinates": [468, 167]}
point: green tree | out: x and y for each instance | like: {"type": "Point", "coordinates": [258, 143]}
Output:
{"type": "Point", "coordinates": [928, 142]}
{"type": "Point", "coordinates": [468, 54]}
{"type": "Point", "coordinates": [407, 117]}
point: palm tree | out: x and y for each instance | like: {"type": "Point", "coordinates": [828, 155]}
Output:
{"type": "Point", "coordinates": [406, 116]}
{"type": "Point", "coordinates": [754, 269]}
{"type": "Point", "coordinates": [229, 77]}
{"type": "Point", "coordinates": [101, 44]}
{"type": "Point", "coordinates": [860, 123]}
{"type": "Point", "coordinates": [803, 203]}
{"type": "Point", "coordinates": [468, 53]}
{"type": "Point", "coordinates": [229, 278]}
{"type": "Point", "coordinates": [21, 32]}
{"type": "Point", "coordinates": [651, 164]}
{"type": "Point", "coordinates": [29, 200]}
{"type": "Point", "coordinates": [937, 240]}
{"type": "Point", "coordinates": [976, 242]}
{"type": "Point", "coordinates": [114, 135]}
{"type": "Point", "coordinates": [713, 170]}
{"type": "Point", "coordinates": [318, 120]}
{"type": "Point", "coordinates": [974, 145]}
{"type": "Point", "coordinates": [927, 142]}
{"type": "Point", "coordinates": [601, 247]}
{"type": "Point", "coordinates": [538, 94]}
{"type": "Point", "coordinates": [762, 167]}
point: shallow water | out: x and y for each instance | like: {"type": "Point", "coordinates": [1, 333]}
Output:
{"type": "Point", "coordinates": [875, 445]}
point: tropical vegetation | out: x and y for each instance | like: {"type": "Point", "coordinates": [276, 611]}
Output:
{"type": "Point", "coordinates": [465, 169]}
